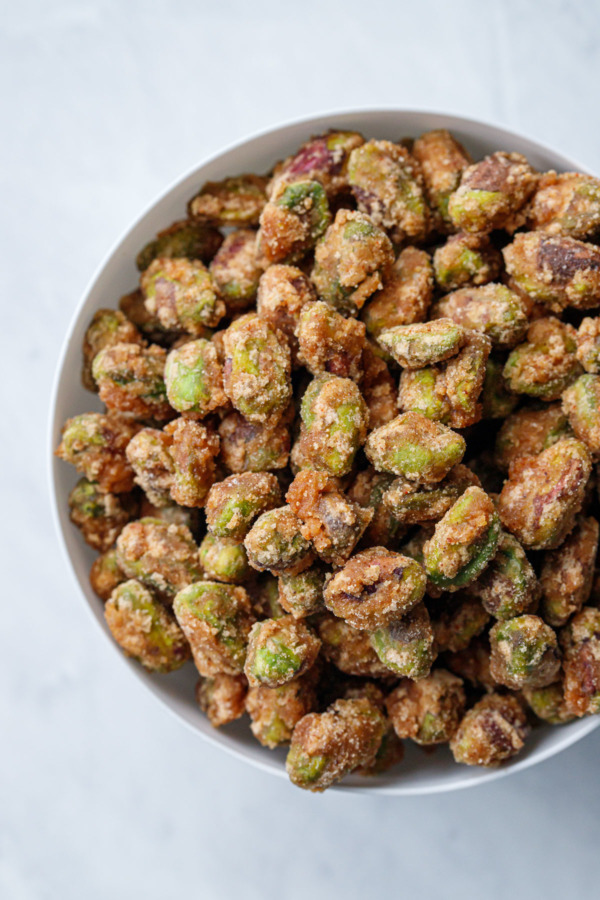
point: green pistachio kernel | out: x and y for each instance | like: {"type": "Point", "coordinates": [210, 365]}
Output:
{"type": "Point", "coordinates": [233, 504]}
{"type": "Point", "coordinates": [524, 653]}
{"type": "Point", "coordinates": [509, 586]}
{"type": "Point", "coordinates": [415, 447]}
{"type": "Point", "coordinates": [216, 619]}
{"type": "Point", "coordinates": [144, 629]}
{"type": "Point", "coordinates": [194, 378]}
{"type": "Point", "coordinates": [280, 650]}
{"type": "Point", "coordinates": [191, 240]}
{"type": "Point", "coordinates": [406, 647]}
{"type": "Point", "coordinates": [275, 543]}
{"type": "Point", "coordinates": [224, 560]}
{"type": "Point", "coordinates": [548, 703]}
{"type": "Point", "coordinates": [423, 344]}
{"type": "Point", "coordinates": [464, 541]}
{"type": "Point", "coordinates": [334, 418]}
{"type": "Point", "coordinates": [581, 403]}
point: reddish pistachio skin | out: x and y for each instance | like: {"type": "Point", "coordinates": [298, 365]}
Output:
{"type": "Point", "coordinates": [543, 494]}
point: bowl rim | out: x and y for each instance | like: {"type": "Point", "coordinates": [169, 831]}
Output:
{"type": "Point", "coordinates": [540, 754]}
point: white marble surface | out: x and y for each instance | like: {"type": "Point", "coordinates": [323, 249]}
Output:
{"type": "Point", "coordinates": [102, 794]}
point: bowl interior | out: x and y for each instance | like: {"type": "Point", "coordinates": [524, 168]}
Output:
{"type": "Point", "coordinates": [419, 773]}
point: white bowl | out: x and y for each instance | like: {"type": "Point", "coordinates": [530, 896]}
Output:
{"type": "Point", "coordinates": [419, 773]}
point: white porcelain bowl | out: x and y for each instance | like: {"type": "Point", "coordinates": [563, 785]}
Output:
{"type": "Point", "coordinates": [419, 773]}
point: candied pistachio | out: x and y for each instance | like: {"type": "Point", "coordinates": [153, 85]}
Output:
{"type": "Point", "coordinates": [328, 342]}
{"type": "Point", "coordinates": [497, 402]}
{"type": "Point", "coordinates": [388, 186]}
{"type": "Point", "coordinates": [232, 505]}
{"type": "Point", "coordinates": [222, 698]}
{"type": "Point", "coordinates": [556, 271]}
{"type": "Point", "coordinates": [581, 403]}
{"type": "Point", "coordinates": [235, 271]}
{"type": "Point", "coordinates": [302, 595]}
{"type": "Point", "coordinates": [464, 375]}
{"type": "Point", "coordinates": [464, 541]}
{"type": "Point", "coordinates": [326, 746]}
{"type": "Point", "coordinates": [378, 389]}
{"type": "Point", "coordinates": [580, 642]}
{"type": "Point", "coordinates": [179, 461]}
{"type": "Point", "coordinates": [330, 521]}
{"type": "Point", "coordinates": [524, 653]}
{"type": "Point", "coordinates": [223, 560]}
{"type": "Point", "coordinates": [466, 259]}
{"type": "Point", "coordinates": [375, 588]}
{"type": "Point", "coordinates": [491, 731]}
{"type": "Point", "coordinates": [95, 444]}
{"type": "Point", "coordinates": [194, 379]}
{"type": "Point", "coordinates": [184, 239]}
{"type": "Point", "coordinates": [450, 391]}
{"type": "Point", "coordinates": [144, 629]}
{"type": "Point", "coordinates": [149, 456]}
{"type": "Point", "coordinates": [349, 649]}
{"type": "Point", "coordinates": [491, 309]}
{"type": "Point", "coordinates": [457, 621]}
{"type": "Point", "coordinates": [323, 158]}
{"type": "Point", "coordinates": [588, 345]}
{"type": "Point", "coordinates": [163, 556]}
{"type": "Point", "coordinates": [568, 204]}
{"type": "Point", "coordinates": [256, 369]}
{"type": "Point", "coordinates": [350, 261]}
{"type": "Point", "coordinates": [415, 447]}
{"type": "Point", "coordinates": [368, 489]}
{"type": "Point", "coordinates": [182, 295]}
{"type": "Point", "coordinates": [442, 160]}
{"type": "Point", "coordinates": [492, 192]}
{"type": "Point", "coordinates": [130, 380]}
{"type": "Point", "coordinates": [193, 450]}
{"type": "Point", "coordinates": [106, 574]}
{"type": "Point", "coordinates": [406, 646]}
{"type": "Point", "coordinates": [546, 363]}
{"type": "Point", "coordinates": [548, 703]}
{"type": "Point", "coordinates": [280, 650]}
{"type": "Point", "coordinates": [252, 447]}
{"type": "Point", "coordinates": [275, 711]}
{"type": "Point", "coordinates": [543, 494]}
{"type": "Point", "coordinates": [275, 543]}
{"type": "Point", "coordinates": [99, 516]}
{"type": "Point", "coordinates": [283, 292]}
{"type": "Point", "coordinates": [509, 586]}
{"type": "Point", "coordinates": [410, 503]}
{"type": "Point", "coordinates": [295, 217]}
{"type": "Point", "coordinates": [529, 431]}
{"type": "Point", "coordinates": [216, 619]}
{"type": "Point", "coordinates": [406, 295]}
{"type": "Point", "coordinates": [424, 391]}
{"type": "Point", "coordinates": [334, 424]}
{"type": "Point", "coordinates": [567, 573]}
{"type": "Point", "coordinates": [427, 711]}
{"type": "Point", "coordinates": [108, 327]}
{"type": "Point", "coordinates": [233, 202]}
{"type": "Point", "coordinates": [423, 344]}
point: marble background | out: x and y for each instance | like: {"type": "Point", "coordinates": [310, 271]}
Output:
{"type": "Point", "coordinates": [104, 102]}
